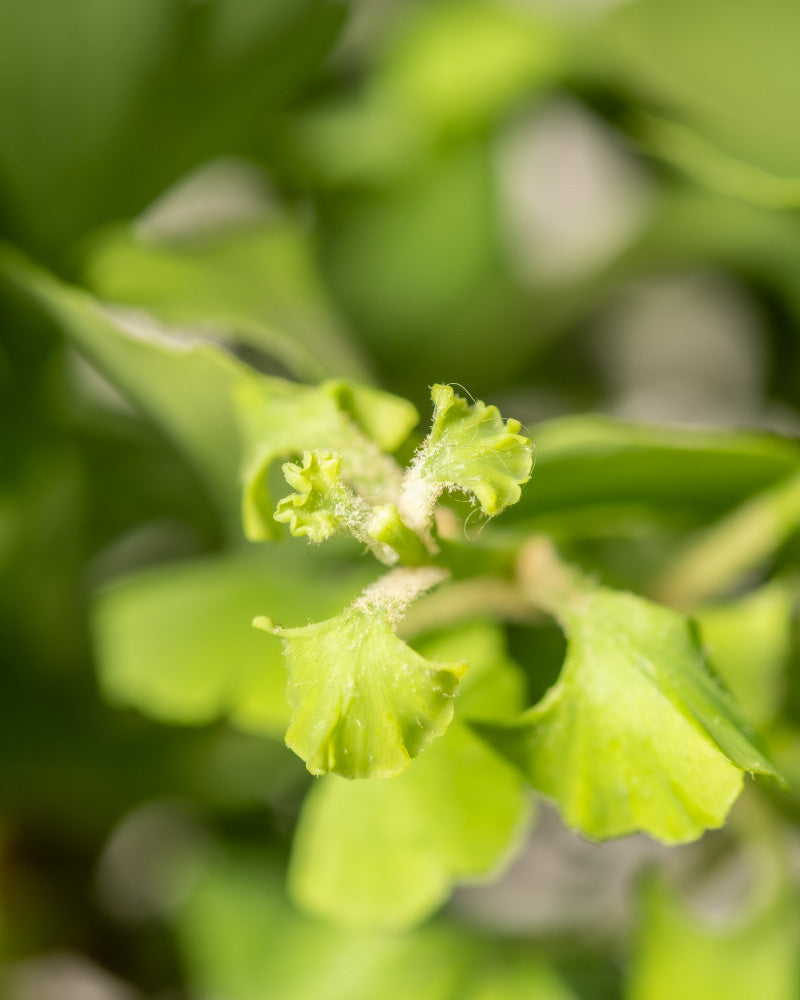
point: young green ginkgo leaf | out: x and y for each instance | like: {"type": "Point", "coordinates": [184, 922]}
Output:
{"type": "Point", "coordinates": [290, 419]}
{"type": "Point", "coordinates": [324, 505]}
{"type": "Point", "coordinates": [387, 853]}
{"type": "Point", "coordinates": [637, 734]}
{"type": "Point", "coordinates": [470, 448]}
{"type": "Point", "coordinates": [364, 703]}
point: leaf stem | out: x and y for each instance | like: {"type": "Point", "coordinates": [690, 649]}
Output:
{"type": "Point", "coordinates": [718, 559]}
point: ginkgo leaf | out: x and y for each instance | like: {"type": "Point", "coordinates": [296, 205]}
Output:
{"type": "Point", "coordinates": [324, 505]}
{"type": "Point", "coordinates": [364, 702]}
{"type": "Point", "coordinates": [291, 419]}
{"type": "Point", "coordinates": [637, 734]}
{"type": "Point", "coordinates": [387, 853]}
{"type": "Point", "coordinates": [221, 413]}
{"type": "Point", "coordinates": [470, 448]}
{"type": "Point", "coordinates": [175, 641]}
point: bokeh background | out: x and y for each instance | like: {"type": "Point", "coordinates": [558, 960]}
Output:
{"type": "Point", "coordinates": [565, 206]}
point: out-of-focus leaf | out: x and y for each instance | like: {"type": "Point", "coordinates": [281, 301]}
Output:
{"type": "Point", "coordinates": [637, 734]}
{"type": "Point", "coordinates": [447, 71]}
{"type": "Point", "coordinates": [257, 286]}
{"type": "Point", "coordinates": [720, 171]}
{"type": "Point", "coordinates": [748, 641]}
{"type": "Point", "coordinates": [592, 461]}
{"type": "Point", "coordinates": [677, 954]}
{"type": "Point", "coordinates": [726, 69]}
{"type": "Point", "coordinates": [420, 269]}
{"type": "Point", "coordinates": [241, 940]}
{"type": "Point", "coordinates": [186, 387]}
{"type": "Point", "coordinates": [102, 108]}
{"type": "Point", "coordinates": [719, 558]}
{"type": "Point", "coordinates": [387, 853]}
{"type": "Point", "coordinates": [219, 411]}
{"type": "Point", "coordinates": [177, 643]}
{"type": "Point", "coordinates": [459, 65]}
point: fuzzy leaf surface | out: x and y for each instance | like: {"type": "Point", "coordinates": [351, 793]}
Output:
{"type": "Point", "coordinates": [364, 702]}
{"type": "Point", "coordinates": [291, 419]}
{"type": "Point", "coordinates": [471, 448]}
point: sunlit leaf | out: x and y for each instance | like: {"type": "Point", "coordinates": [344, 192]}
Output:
{"type": "Point", "coordinates": [637, 734]}
{"type": "Point", "coordinates": [387, 853]}
{"type": "Point", "coordinates": [364, 703]}
{"type": "Point", "coordinates": [470, 448]}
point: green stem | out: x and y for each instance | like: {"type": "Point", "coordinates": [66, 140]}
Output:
{"type": "Point", "coordinates": [467, 601]}
{"type": "Point", "coordinates": [715, 561]}
{"type": "Point", "coordinates": [547, 582]}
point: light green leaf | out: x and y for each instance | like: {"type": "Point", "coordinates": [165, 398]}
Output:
{"type": "Point", "coordinates": [678, 954]}
{"type": "Point", "coordinates": [637, 734]}
{"type": "Point", "coordinates": [386, 419]}
{"type": "Point", "coordinates": [748, 641]}
{"type": "Point", "coordinates": [220, 412]}
{"type": "Point", "coordinates": [256, 285]}
{"type": "Point", "coordinates": [324, 505]}
{"type": "Point", "coordinates": [241, 940]}
{"type": "Point", "coordinates": [176, 642]}
{"type": "Point", "coordinates": [457, 66]}
{"type": "Point", "coordinates": [334, 417]}
{"type": "Point", "coordinates": [469, 448]}
{"type": "Point", "coordinates": [364, 703]}
{"type": "Point", "coordinates": [387, 853]}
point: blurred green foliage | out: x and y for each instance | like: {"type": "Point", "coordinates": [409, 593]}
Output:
{"type": "Point", "coordinates": [580, 211]}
